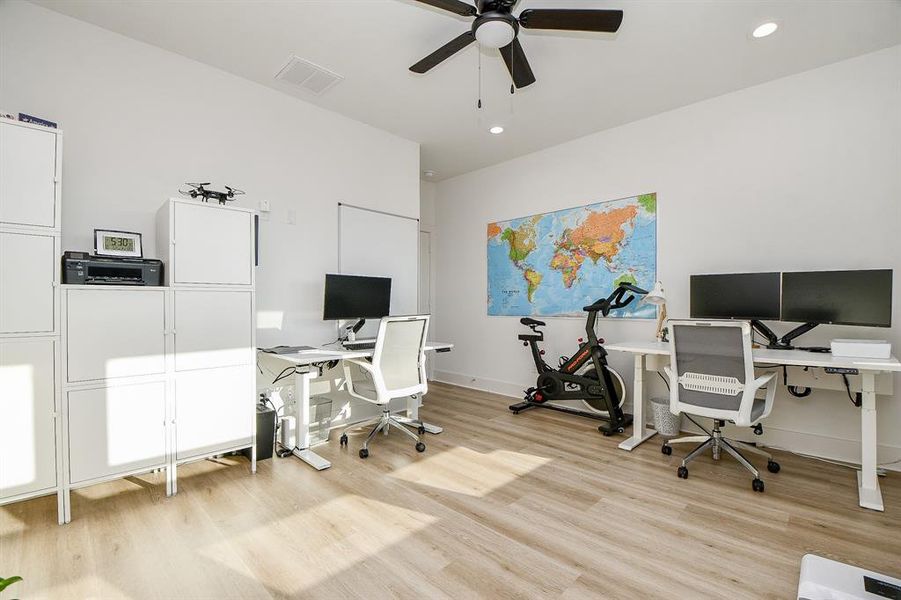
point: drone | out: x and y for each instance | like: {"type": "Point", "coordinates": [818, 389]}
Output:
{"type": "Point", "coordinates": [199, 191]}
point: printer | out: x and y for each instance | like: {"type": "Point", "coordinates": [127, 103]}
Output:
{"type": "Point", "coordinates": [82, 268]}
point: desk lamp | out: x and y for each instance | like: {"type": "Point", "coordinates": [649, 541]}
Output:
{"type": "Point", "coordinates": [657, 297]}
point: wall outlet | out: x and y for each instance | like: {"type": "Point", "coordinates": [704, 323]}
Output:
{"type": "Point", "coordinates": [265, 205]}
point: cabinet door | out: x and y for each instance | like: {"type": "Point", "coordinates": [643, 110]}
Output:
{"type": "Point", "coordinates": [212, 329]}
{"type": "Point", "coordinates": [27, 425]}
{"type": "Point", "coordinates": [212, 245]}
{"type": "Point", "coordinates": [115, 430]}
{"type": "Point", "coordinates": [27, 267]}
{"type": "Point", "coordinates": [214, 410]}
{"type": "Point", "coordinates": [27, 176]}
{"type": "Point", "coordinates": [114, 333]}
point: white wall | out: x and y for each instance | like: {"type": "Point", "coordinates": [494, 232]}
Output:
{"type": "Point", "coordinates": [799, 173]}
{"type": "Point", "coordinates": [140, 121]}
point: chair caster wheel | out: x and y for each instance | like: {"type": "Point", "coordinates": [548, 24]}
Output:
{"type": "Point", "coordinates": [757, 485]}
{"type": "Point", "coordinates": [682, 472]}
{"type": "Point", "coordinates": [757, 429]}
{"type": "Point", "coordinates": [421, 430]}
{"type": "Point", "coordinates": [420, 447]}
{"type": "Point", "coordinates": [605, 432]}
{"type": "Point", "coordinates": [343, 439]}
{"type": "Point", "coordinates": [364, 453]}
{"type": "Point", "coordinates": [620, 429]}
{"type": "Point", "coordinates": [772, 466]}
{"type": "Point", "coordinates": [666, 449]}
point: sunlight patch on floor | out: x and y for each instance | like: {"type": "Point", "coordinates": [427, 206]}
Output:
{"type": "Point", "coordinates": [320, 542]}
{"type": "Point", "coordinates": [462, 470]}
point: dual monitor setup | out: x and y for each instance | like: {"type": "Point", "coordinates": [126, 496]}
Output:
{"type": "Point", "coordinates": [355, 298]}
{"type": "Point", "coordinates": [862, 298]}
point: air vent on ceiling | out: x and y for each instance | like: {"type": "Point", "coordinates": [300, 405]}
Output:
{"type": "Point", "coordinates": [309, 76]}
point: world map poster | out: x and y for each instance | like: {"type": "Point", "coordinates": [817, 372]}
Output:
{"type": "Point", "coordinates": [555, 263]}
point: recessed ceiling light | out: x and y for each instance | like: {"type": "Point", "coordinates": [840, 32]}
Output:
{"type": "Point", "coordinates": [429, 173]}
{"type": "Point", "coordinates": [765, 29]}
{"type": "Point", "coordinates": [496, 130]}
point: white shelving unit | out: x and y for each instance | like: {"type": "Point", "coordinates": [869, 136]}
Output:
{"type": "Point", "coordinates": [30, 192]}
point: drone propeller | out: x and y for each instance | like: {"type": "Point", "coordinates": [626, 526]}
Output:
{"type": "Point", "coordinates": [234, 191]}
{"type": "Point", "coordinates": [196, 185]}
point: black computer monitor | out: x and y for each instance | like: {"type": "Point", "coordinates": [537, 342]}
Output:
{"type": "Point", "coordinates": [356, 296]}
{"type": "Point", "coordinates": [838, 297]}
{"type": "Point", "coordinates": [735, 296]}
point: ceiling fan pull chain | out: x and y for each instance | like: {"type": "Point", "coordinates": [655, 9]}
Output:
{"type": "Point", "coordinates": [480, 77]}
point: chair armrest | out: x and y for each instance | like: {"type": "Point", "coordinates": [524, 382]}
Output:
{"type": "Point", "coordinates": [349, 381]}
{"type": "Point", "coordinates": [363, 364]}
{"type": "Point", "coordinates": [763, 380]}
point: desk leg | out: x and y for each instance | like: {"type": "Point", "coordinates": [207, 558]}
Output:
{"type": "Point", "coordinates": [640, 432]}
{"type": "Point", "coordinates": [868, 490]}
{"type": "Point", "coordinates": [413, 415]}
{"type": "Point", "coordinates": [302, 402]}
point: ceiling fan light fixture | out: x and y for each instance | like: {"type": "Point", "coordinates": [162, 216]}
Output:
{"type": "Point", "coordinates": [495, 34]}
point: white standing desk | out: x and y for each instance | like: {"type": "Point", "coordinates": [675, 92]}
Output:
{"type": "Point", "coordinates": [867, 480]}
{"type": "Point", "coordinates": [312, 359]}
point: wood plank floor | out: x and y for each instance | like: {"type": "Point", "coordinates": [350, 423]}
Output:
{"type": "Point", "coordinates": [537, 505]}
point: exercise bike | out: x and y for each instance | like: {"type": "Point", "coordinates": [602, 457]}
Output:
{"type": "Point", "coordinates": [585, 376]}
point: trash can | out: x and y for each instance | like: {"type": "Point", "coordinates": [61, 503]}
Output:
{"type": "Point", "coordinates": [320, 419]}
{"type": "Point", "coordinates": [666, 423]}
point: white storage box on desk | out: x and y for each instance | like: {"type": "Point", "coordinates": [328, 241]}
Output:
{"type": "Point", "coordinates": [878, 349]}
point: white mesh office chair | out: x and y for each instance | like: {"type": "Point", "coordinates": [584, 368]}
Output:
{"type": "Point", "coordinates": [397, 370]}
{"type": "Point", "coordinates": [712, 375]}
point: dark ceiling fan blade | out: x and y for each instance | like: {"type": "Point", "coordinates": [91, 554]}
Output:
{"type": "Point", "coordinates": [518, 64]}
{"type": "Point", "coordinates": [607, 21]}
{"type": "Point", "coordinates": [454, 6]}
{"type": "Point", "coordinates": [444, 52]}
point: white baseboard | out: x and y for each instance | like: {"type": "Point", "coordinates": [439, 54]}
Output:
{"type": "Point", "coordinates": [801, 442]}
{"type": "Point", "coordinates": [505, 388]}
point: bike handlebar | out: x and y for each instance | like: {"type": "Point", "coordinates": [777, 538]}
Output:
{"type": "Point", "coordinates": [615, 299]}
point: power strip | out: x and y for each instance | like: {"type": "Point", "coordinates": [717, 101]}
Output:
{"type": "Point", "coordinates": [841, 370]}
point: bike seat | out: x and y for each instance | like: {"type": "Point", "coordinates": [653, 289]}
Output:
{"type": "Point", "coordinates": [531, 322]}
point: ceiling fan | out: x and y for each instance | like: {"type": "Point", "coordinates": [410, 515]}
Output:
{"type": "Point", "coordinates": [496, 27]}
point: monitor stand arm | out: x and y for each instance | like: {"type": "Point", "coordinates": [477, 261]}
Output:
{"type": "Point", "coordinates": [350, 331]}
{"type": "Point", "coordinates": [773, 341]}
{"type": "Point", "coordinates": [786, 341]}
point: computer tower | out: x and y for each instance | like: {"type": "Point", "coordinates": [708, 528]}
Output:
{"type": "Point", "coordinates": [265, 432]}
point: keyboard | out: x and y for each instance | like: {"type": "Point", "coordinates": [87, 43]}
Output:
{"type": "Point", "coordinates": [359, 345]}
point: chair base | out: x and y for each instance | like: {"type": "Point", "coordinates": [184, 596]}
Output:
{"type": "Point", "coordinates": [717, 444]}
{"type": "Point", "coordinates": [383, 423]}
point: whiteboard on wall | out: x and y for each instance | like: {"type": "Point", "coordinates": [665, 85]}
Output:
{"type": "Point", "coordinates": [381, 245]}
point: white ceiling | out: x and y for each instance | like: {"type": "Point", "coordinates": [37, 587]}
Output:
{"type": "Point", "coordinates": [668, 53]}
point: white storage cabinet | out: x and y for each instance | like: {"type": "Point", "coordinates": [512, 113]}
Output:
{"type": "Point", "coordinates": [30, 427]}
{"type": "Point", "coordinates": [209, 252]}
{"type": "Point", "coordinates": [206, 244]}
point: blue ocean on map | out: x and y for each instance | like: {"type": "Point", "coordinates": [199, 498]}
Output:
{"type": "Point", "coordinates": [555, 263]}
